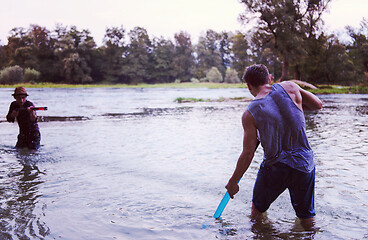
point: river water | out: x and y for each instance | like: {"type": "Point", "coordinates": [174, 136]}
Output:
{"type": "Point", "coordinates": [133, 164]}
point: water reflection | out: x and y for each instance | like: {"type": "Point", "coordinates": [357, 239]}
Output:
{"type": "Point", "coordinates": [265, 228]}
{"type": "Point", "coordinates": [19, 195]}
{"type": "Point", "coordinates": [61, 118]}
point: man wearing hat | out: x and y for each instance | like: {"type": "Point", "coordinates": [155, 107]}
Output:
{"type": "Point", "coordinates": [20, 110]}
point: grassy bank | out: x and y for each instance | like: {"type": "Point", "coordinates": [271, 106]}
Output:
{"type": "Point", "coordinates": [322, 89]}
{"type": "Point", "coordinates": [333, 89]}
{"type": "Point", "coordinates": [143, 85]}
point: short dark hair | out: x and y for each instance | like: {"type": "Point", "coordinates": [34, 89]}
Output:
{"type": "Point", "coordinates": [256, 75]}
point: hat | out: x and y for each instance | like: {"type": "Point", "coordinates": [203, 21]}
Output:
{"type": "Point", "coordinates": [20, 91]}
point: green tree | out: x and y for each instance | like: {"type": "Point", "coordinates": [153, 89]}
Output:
{"type": "Point", "coordinates": [18, 47]}
{"type": "Point", "coordinates": [358, 50]}
{"type": "Point", "coordinates": [31, 75]}
{"type": "Point", "coordinates": [74, 50]}
{"type": "Point", "coordinates": [225, 48]}
{"type": "Point", "coordinates": [339, 66]}
{"type": "Point", "coordinates": [241, 56]}
{"type": "Point", "coordinates": [25, 57]}
{"type": "Point", "coordinates": [3, 60]}
{"type": "Point", "coordinates": [183, 60]}
{"type": "Point", "coordinates": [139, 56]}
{"type": "Point", "coordinates": [44, 46]}
{"type": "Point", "coordinates": [11, 75]}
{"type": "Point", "coordinates": [314, 67]}
{"type": "Point", "coordinates": [112, 53]}
{"type": "Point", "coordinates": [286, 24]}
{"type": "Point", "coordinates": [208, 54]}
{"type": "Point", "coordinates": [30, 48]}
{"type": "Point", "coordinates": [214, 75]}
{"type": "Point", "coordinates": [163, 54]}
{"type": "Point", "coordinates": [231, 76]}
{"type": "Point", "coordinates": [328, 62]}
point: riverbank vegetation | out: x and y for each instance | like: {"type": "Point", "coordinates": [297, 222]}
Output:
{"type": "Point", "coordinates": [141, 85]}
{"type": "Point", "coordinates": [321, 89]}
{"type": "Point", "coordinates": [294, 46]}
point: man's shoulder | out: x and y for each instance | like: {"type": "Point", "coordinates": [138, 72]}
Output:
{"type": "Point", "coordinates": [13, 105]}
{"type": "Point", "coordinates": [248, 119]}
{"type": "Point", "coordinates": [289, 86]}
{"type": "Point", "coordinates": [28, 103]}
{"type": "Point", "coordinates": [293, 90]}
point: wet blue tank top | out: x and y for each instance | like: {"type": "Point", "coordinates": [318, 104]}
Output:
{"type": "Point", "coordinates": [281, 126]}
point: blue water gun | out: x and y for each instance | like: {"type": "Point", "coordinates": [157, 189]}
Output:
{"type": "Point", "coordinates": [222, 204]}
{"type": "Point", "coordinates": [226, 197]}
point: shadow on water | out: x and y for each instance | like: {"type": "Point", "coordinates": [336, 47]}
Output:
{"type": "Point", "coordinates": [144, 112]}
{"type": "Point", "coordinates": [149, 112]}
{"type": "Point", "coordinates": [141, 112]}
{"type": "Point", "coordinates": [61, 118]}
{"type": "Point", "coordinates": [153, 112]}
{"type": "Point", "coordinates": [363, 110]}
{"type": "Point", "coordinates": [266, 229]}
{"type": "Point", "coordinates": [57, 119]}
{"type": "Point", "coordinates": [19, 195]}
{"type": "Point", "coordinates": [310, 120]}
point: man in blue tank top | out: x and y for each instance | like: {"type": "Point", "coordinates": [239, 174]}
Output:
{"type": "Point", "coordinates": [276, 114]}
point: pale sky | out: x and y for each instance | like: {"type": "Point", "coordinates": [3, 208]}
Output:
{"type": "Point", "coordinates": [158, 17]}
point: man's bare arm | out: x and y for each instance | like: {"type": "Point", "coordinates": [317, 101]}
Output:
{"type": "Point", "coordinates": [246, 157]}
{"type": "Point", "coordinates": [304, 99]}
{"type": "Point", "coordinates": [310, 101]}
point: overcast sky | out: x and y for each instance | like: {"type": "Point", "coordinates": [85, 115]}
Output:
{"type": "Point", "coordinates": [158, 17]}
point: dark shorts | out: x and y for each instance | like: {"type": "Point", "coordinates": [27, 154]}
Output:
{"type": "Point", "coordinates": [272, 181]}
{"type": "Point", "coordinates": [31, 141]}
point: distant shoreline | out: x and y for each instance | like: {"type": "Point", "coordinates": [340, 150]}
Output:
{"type": "Point", "coordinates": [321, 89]}
{"type": "Point", "coordinates": [142, 85]}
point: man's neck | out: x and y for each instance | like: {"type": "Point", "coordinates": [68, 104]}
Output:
{"type": "Point", "coordinates": [262, 91]}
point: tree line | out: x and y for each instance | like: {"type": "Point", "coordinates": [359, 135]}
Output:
{"type": "Point", "coordinates": [288, 38]}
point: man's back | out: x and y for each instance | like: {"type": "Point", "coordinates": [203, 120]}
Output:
{"type": "Point", "coordinates": [281, 125]}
